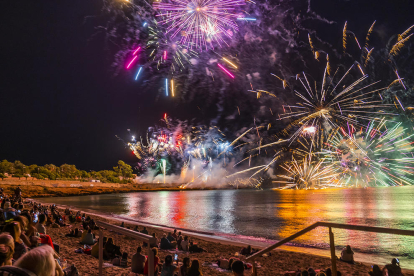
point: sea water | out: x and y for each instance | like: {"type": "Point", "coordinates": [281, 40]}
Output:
{"type": "Point", "coordinates": [261, 217]}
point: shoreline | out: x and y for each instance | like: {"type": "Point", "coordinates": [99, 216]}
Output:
{"type": "Point", "coordinates": [33, 188]}
{"type": "Point", "coordinates": [301, 253]}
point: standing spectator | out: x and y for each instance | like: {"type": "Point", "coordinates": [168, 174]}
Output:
{"type": "Point", "coordinates": [138, 262]}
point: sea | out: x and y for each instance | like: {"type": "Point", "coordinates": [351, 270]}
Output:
{"type": "Point", "coordinates": [262, 217]}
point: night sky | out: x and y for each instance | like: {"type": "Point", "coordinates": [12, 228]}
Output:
{"type": "Point", "coordinates": [60, 103]}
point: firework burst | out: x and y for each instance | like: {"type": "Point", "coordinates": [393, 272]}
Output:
{"type": "Point", "coordinates": [373, 156]}
{"type": "Point", "coordinates": [200, 23]}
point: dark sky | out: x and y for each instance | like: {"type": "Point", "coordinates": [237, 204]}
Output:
{"type": "Point", "coordinates": [58, 100]}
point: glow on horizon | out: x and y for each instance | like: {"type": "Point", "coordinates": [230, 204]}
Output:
{"type": "Point", "coordinates": [225, 70]}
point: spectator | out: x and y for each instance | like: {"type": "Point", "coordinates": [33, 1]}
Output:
{"type": "Point", "coordinates": [185, 267]}
{"type": "Point", "coordinates": [6, 249]}
{"type": "Point", "coordinates": [394, 268]}
{"type": "Point", "coordinates": [165, 243]}
{"type": "Point", "coordinates": [88, 238]}
{"type": "Point", "coordinates": [156, 261]}
{"type": "Point", "coordinates": [168, 268]}
{"type": "Point", "coordinates": [238, 268]}
{"type": "Point", "coordinates": [170, 237]}
{"type": "Point", "coordinates": [174, 235]}
{"type": "Point", "coordinates": [184, 244]}
{"type": "Point", "coordinates": [13, 229]}
{"type": "Point", "coordinates": [347, 255]}
{"type": "Point", "coordinates": [40, 226]}
{"type": "Point", "coordinates": [138, 262]}
{"type": "Point", "coordinates": [39, 261]}
{"type": "Point", "coordinates": [195, 269]}
{"type": "Point", "coordinates": [23, 222]}
{"type": "Point", "coordinates": [195, 248]}
{"type": "Point", "coordinates": [144, 231]}
{"type": "Point", "coordinates": [376, 271]}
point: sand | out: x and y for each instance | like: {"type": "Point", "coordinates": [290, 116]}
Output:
{"type": "Point", "coordinates": [278, 263]}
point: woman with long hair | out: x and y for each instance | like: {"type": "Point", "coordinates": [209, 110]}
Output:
{"type": "Point", "coordinates": [13, 228]}
{"type": "Point", "coordinates": [195, 269]}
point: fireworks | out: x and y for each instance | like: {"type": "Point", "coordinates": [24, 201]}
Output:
{"type": "Point", "coordinates": [167, 52]}
{"type": "Point", "coordinates": [333, 104]}
{"type": "Point", "coordinates": [308, 174]}
{"type": "Point", "coordinates": [200, 23]}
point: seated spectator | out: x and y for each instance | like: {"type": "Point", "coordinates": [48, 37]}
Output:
{"type": "Point", "coordinates": [184, 244]}
{"type": "Point", "coordinates": [138, 262]}
{"type": "Point", "coordinates": [311, 271]}
{"type": "Point", "coordinates": [168, 268]}
{"type": "Point", "coordinates": [31, 226]}
{"type": "Point", "coordinates": [170, 237]}
{"type": "Point", "coordinates": [40, 225]}
{"type": "Point", "coordinates": [174, 235]}
{"type": "Point", "coordinates": [39, 261]}
{"type": "Point", "coordinates": [183, 271]}
{"type": "Point", "coordinates": [194, 248]}
{"type": "Point", "coordinates": [8, 211]}
{"type": "Point", "coordinates": [376, 271]}
{"type": "Point", "coordinates": [247, 251]}
{"type": "Point", "coordinates": [179, 240]}
{"type": "Point", "coordinates": [6, 249]}
{"type": "Point", "coordinates": [144, 231]}
{"type": "Point", "coordinates": [23, 222]}
{"type": "Point", "coordinates": [195, 269]}
{"type": "Point", "coordinates": [154, 242]}
{"type": "Point", "coordinates": [13, 229]}
{"type": "Point", "coordinates": [136, 228]}
{"type": "Point", "coordinates": [88, 238]}
{"type": "Point", "coordinates": [165, 244]}
{"type": "Point", "coordinates": [238, 268]}
{"type": "Point", "coordinates": [347, 255]}
{"type": "Point", "coordinates": [156, 261]}
{"type": "Point", "coordinates": [394, 268]}
{"type": "Point", "coordinates": [111, 250]}
{"type": "Point", "coordinates": [95, 248]}
{"type": "Point", "coordinates": [84, 233]}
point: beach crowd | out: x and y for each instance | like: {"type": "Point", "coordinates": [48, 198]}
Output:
{"type": "Point", "coordinates": [26, 249]}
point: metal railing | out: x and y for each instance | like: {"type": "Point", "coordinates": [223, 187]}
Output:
{"type": "Point", "coordinates": [139, 236]}
{"type": "Point", "coordinates": [331, 239]}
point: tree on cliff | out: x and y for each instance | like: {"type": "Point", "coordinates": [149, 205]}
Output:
{"type": "Point", "coordinates": [2, 176]}
{"type": "Point", "coordinates": [123, 170]}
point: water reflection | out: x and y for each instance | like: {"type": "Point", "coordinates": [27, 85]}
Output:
{"type": "Point", "coordinates": [272, 214]}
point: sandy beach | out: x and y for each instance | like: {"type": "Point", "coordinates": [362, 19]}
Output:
{"type": "Point", "coordinates": [278, 263]}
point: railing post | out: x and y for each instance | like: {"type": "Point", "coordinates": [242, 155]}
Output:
{"type": "Point", "coordinates": [333, 255]}
{"type": "Point", "coordinates": [254, 268]}
{"type": "Point", "coordinates": [100, 250]}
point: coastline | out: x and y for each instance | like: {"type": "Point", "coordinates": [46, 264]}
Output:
{"type": "Point", "coordinates": [287, 258]}
{"type": "Point", "coordinates": [34, 188]}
